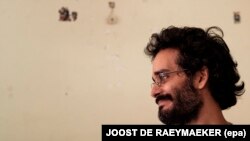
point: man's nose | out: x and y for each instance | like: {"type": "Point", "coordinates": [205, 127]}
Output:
{"type": "Point", "coordinates": [155, 91]}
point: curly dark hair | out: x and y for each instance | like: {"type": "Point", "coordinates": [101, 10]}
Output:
{"type": "Point", "coordinates": [199, 48]}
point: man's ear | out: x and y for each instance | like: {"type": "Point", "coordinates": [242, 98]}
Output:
{"type": "Point", "coordinates": [201, 78]}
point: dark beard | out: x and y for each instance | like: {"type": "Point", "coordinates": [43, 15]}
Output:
{"type": "Point", "coordinates": [186, 105]}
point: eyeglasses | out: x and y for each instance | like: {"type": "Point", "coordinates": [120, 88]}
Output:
{"type": "Point", "coordinates": [163, 76]}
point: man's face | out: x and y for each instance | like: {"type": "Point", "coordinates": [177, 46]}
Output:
{"type": "Point", "coordinates": [178, 101]}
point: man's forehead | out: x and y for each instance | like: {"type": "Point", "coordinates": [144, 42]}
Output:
{"type": "Point", "coordinates": [165, 59]}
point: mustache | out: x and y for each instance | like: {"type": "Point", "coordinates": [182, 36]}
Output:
{"type": "Point", "coordinates": [163, 97]}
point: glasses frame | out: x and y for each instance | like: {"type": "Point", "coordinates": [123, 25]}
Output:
{"type": "Point", "coordinates": [163, 78]}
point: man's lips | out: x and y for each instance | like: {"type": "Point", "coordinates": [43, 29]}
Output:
{"type": "Point", "coordinates": [164, 101]}
{"type": "Point", "coordinates": [161, 98]}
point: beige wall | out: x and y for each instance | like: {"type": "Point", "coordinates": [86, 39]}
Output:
{"type": "Point", "coordinates": [60, 81]}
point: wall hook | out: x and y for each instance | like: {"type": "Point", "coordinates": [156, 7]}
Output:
{"type": "Point", "coordinates": [112, 19]}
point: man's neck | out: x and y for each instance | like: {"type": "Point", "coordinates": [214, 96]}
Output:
{"type": "Point", "coordinates": [210, 113]}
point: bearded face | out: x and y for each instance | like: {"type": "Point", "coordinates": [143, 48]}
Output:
{"type": "Point", "coordinates": [174, 92]}
{"type": "Point", "coordinates": [186, 103]}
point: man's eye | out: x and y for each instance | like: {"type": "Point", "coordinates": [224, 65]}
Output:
{"type": "Point", "coordinates": [163, 75]}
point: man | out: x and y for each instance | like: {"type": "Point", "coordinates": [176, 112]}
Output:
{"type": "Point", "coordinates": [194, 75]}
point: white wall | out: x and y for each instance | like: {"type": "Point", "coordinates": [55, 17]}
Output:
{"type": "Point", "coordinates": [60, 81]}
